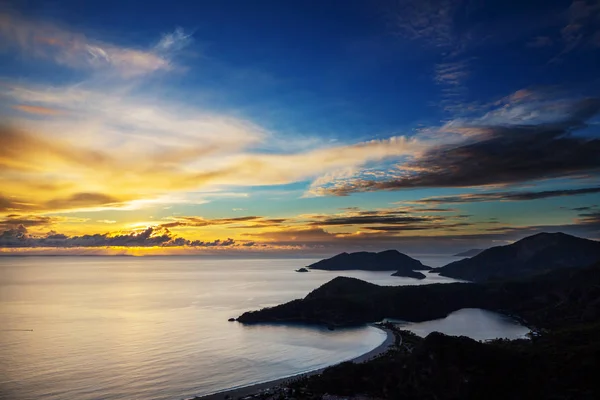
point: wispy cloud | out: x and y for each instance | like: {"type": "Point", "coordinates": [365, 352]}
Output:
{"type": "Point", "coordinates": [164, 147]}
{"type": "Point", "coordinates": [44, 40]}
{"type": "Point", "coordinates": [507, 196]}
{"type": "Point", "coordinates": [452, 73]}
{"type": "Point", "coordinates": [497, 154]}
{"type": "Point", "coordinates": [431, 21]}
{"type": "Point", "coordinates": [37, 109]}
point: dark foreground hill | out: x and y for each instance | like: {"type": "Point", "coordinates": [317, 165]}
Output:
{"type": "Point", "coordinates": [561, 364]}
{"type": "Point", "coordinates": [389, 260]}
{"type": "Point", "coordinates": [528, 256]}
{"type": "Point", "coordinates": [545, 300]}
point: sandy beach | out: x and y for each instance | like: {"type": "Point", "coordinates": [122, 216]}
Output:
{"type": "Point", "coordinates": [235, 394]}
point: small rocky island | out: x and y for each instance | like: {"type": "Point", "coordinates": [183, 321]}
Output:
{"type": "Point", "coordinates": [302, 270]}
{"type": "Point", "coordinates": [389, 260]}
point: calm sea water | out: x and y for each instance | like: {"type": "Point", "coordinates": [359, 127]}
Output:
{"type": "Point", "coordinates": [156, 327]}
{"type": "Point", "coordinates": [472, 322]}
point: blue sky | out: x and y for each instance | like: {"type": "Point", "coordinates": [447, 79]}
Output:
{"type": "Point", "coordinates": [167, 128]}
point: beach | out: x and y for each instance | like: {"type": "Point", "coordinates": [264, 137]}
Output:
{"type": "Point", "coordinates": [237, 393]}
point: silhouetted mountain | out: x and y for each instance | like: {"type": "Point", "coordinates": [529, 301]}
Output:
{"type": "Point", "coordinates": [528, 256]}
{"type": "Point", "coordinates": [544, 300]}
{"type": "Point", "coordinates": [469, 253]}
{"type": "Point", "coordinates": [389, 260]}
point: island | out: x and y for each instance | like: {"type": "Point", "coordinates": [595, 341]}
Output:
{"type": "Point", "coordinates": [410, 274]}
{"type": "Point", "coordinates": [388, 260]}
{"type": "Point", "coordinates": [302, 270]}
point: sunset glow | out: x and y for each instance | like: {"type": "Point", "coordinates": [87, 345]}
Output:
{"type": "Point", "coordinates": [384, 135]}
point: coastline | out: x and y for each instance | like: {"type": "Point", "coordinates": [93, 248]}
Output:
{"type": "Point", "coordinates": [244, 391]}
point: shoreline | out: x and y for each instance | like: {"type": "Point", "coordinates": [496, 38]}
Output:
{"type": "Point", "coordinates": [244, 391]}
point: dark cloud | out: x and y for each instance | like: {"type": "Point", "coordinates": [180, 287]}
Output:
{"type": "Point", "coordinates": [373, 219]}
{"type": "Point", "coordinates": [500, 154]}
{"type": "Point", "coordinates": [14, 220]}
{"type": "Point", "coordinates": [81, 200]}
{"type": "Point", "coordinates": [14, 204]}
{"type": "Point", "coordinates": [417, 227]}
{"type": "Point", "coordinates": [590, 218]}
{"type": "Point", "coordinates": [5, 204]}
{"type": "Point", "coordinates": [507, 196]}
{"type": "Point", "coordinates": [432, 209]}
{"type": "Point", "coordinates": [255, 221]}
{"type": "Point", "coordinates": [588, 208]}
{"type": "Point", "coordinates": [19, 237]}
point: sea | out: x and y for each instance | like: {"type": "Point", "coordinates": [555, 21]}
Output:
{"type": "Point", "coordinates": [157, 327]}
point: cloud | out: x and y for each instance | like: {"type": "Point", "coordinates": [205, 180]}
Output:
{"type": "Point", "coordinates": [37, 110]}
{"type": "Point", "coordinates": [582, 24]}
{"type": "Point", "coordinates": [81, 200]}
{"type": "Point", "coordinates": [150, 237]}
{"type": "Point", "coordinates": [385, 220]}
{"type": "Point", "coordinates": [507, 196]}
{"type": "Point", "coordinates": [374, 219]}
{"type": "Point", "coordinates": [452, 73]}
{"type": "Point", "coordinates": [237, 222]}
{"type": "Point", "coordinates": [587, 208]}
{"type": "Point", "coordinates": [402, 228]}
{"type": "Point", "coordinates": [14, 221]}
{"type": "Point", "coordinates": [430, 21]}
{"type": "Point", "coordinates": [44, 40]}
{"type": "Point", "coordinates": [498, 154]}
{"type": "Point", "coordinates": [166, 148]}
{"type": "Point", "coordinates": [590, 218]}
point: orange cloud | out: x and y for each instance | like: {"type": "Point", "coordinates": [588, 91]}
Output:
{"type": "Point", "coordinates": [37, 110]}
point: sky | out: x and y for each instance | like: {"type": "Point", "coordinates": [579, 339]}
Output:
{"type": "Point", "coordinates": [296, 128]}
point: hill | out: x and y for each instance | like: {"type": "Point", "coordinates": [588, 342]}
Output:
{"type": "Point", "coordinates": [529, 256]}
{"type": "Point", "coordinates": [389, 260]}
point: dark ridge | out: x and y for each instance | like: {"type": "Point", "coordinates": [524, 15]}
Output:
{"type": "Point", "coordinates": [529, 256]}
